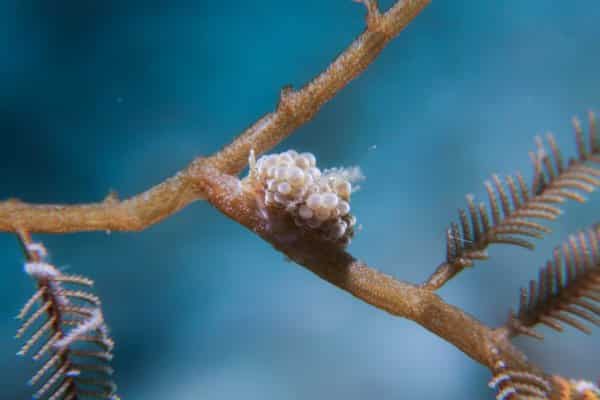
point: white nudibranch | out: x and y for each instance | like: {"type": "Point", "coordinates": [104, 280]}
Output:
{"type": "Point", "coordinates": [317, 200]}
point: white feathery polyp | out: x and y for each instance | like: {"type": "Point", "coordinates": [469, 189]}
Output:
{"type": "Point", "coordinates": [37, 248]}
{"type": "Point", "coordinates": [581, 386]}
{"type": "Point", "coordinates": [40, 270]}
{"type": "Point", "coordinates": [73, 373]}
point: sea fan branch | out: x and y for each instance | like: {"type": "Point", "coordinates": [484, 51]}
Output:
{"type": "Point", "coordinates": [567, 290]}
{"type": "Point", "coordinates": [76, 358]}
{"type": "Point", "coordinates": [513, 205]}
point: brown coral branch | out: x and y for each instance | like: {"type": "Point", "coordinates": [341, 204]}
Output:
{"type": "Point", "coordinates": [294, 109]}
{"type": "Point", "coordinates": [333, 264]}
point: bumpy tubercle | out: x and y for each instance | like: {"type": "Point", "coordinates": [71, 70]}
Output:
{"type": "Point", "coordinates": [316, 200]}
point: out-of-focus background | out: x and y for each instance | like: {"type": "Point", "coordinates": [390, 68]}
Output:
{"type": "Point", "coordinates": [102, 95]}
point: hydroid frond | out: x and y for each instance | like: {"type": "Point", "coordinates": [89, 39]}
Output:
{"type": "Point", "coordinates": [68, 331]}
{"type": "Point", "coordinates": [567, 290]}
{"type": "Point", "coordinates": [515, 208]}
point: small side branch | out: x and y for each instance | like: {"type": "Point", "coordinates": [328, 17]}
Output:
{"type": "Point", "coordinates": [63, 321]}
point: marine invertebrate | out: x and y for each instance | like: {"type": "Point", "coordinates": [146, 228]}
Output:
{"type": "Point", "coordinates": [514, 211]}
{"type": "Point", "coordinates": [564, 289]}
{"type": "Point", "coordinates": [74, 337]}
{"type": "Point", "coordinates": [316, 200]}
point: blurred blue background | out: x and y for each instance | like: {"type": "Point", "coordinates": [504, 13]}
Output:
{"type": "Point", "coordinates": [101, 95]}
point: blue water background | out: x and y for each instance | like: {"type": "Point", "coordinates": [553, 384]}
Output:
{"type": "Point", "coordinates": [101, 95]}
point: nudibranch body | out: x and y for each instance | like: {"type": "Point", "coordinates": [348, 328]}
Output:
{"type": "Point", "coordinates": [316, 200]}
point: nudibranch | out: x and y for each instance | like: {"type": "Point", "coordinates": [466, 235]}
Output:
{"type": "Point", "coordinates": [316, 200]}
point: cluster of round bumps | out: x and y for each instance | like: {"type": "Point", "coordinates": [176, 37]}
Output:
{"type": "Point", "coordinates": [318, 200]}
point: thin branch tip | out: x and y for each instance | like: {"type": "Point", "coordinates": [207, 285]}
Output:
{"type": "Point", "coordinates": [287, 99]}
{"type": "Point", "coordinates": [112, 197]}
{"type": "Point", "coordinates": [373, 17]}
